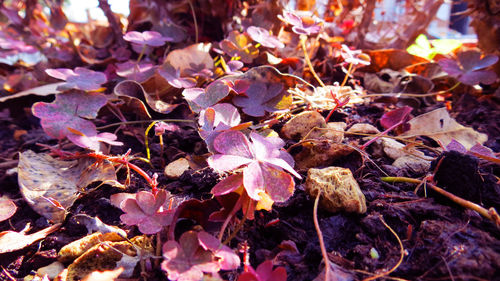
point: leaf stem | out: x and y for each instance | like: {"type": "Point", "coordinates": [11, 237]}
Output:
{"type": "Point", "coordinates": [349, 69]}
{"type": "Point", "coordinates": [320, 238]}
{"type": "Point", "coordinates": [490, 214]}
{"type": "Point", "coordinates": [308, 61]}
{"type": "Point", "coordinates": [194, 20]}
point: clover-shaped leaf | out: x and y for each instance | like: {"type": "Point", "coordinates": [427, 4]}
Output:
{"type": "Point", "coordinates": [199, 98]}
{"type": "Point", "coordinates": [239, 45]}
{"type": "Point", "coordinates": [187, 259]}
{"type": "Point", "coordinates": [263, 161]}
{"type": "Point", "coordinates": [146, 211]}
{"type": "Point", "coordinates": [262, 36]}
{"type": "Point", "coordinates": [226, 257]}
{"type": "Point", "coordinates": [302, 22]}
{"type": "Point", "coordinates": [264, 272]}
{"type": "Point", "coordinates": [173, 77]}
{"type": "Point", "coordinates": [469, 68]}
{"type": "Point", "coordinates": [150, 38]}
{"type": "Point", "coordinates": [395, 117]}
{"type": "Point", "coordinates": [137, 72]}
{"type": "Point", "coordinates": [257, 95]}
{"type": "Point", "coordinates": [81, 78]}
{"type": "Point", "coordinates": [354, 57]}
{"type": "Point", "coordinates": [216, 119]}
{"type": "Point", "coordinates": [69, 110]}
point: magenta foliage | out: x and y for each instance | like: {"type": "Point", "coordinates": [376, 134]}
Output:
{"type": "Point", "coordinates": [469, 68]}
{"type": "Point", "coordinates": [216, 119]}
{"type": "Point", "coordinates": [199, 98]}
{"type": "Point", "coordinates": [258, 95]}
{"type": "Point", "coordinates": [262, 36]}
{"type": "Point", "coordinates": [352, 56]}
{"type": "Point", "coordinates": [196, 254]}
{"type": "Point", "coordinates": [302, 22]}
{"type": "Point", "coordinates": [67, 117]}
{"type": "Point", "coordinates": [137, 72]}
{"type": "Point", "coordinates": [147, 211]}
{"type": "Point", "coordinates": [150, 38]}
{"type": "Point", "coordinates": [81, 78]}
{"type": "Point", "coordinates": [478, 149]}
{"type": "Point", "coordinates": [264, 272]}
{"type": "Point", "coordinates": [173, 77]}
{"type": "Point", "coordinates": [395, 117]}
{"type": "Point", "coordinates": [263, 161]}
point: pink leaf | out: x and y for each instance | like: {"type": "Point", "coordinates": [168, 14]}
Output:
{"type": "Point", "coordinates": [81, 78]}
{"type": "Point", "coordinates": [150, 38]}
{"type": "Point", "coordinates": [233, 143]}
{"type": "Point", "coordinates": [69, 110]}
{"type": "Point", "coordinates": [228, 185]}
{"type": "Point", "coordinates": [395, 117]}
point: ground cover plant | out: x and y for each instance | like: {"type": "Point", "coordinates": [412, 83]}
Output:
{"type": "Point", "coordinates": [245, 140]}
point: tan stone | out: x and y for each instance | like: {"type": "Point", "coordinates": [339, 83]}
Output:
{"type": "Point", "coordinates": [320, 153]}
{"type": "Point", "coordinates": [175, 169]}
{"type": "Point", "coordinates": [339, 189]}
{"type": "Point", "coordinates": [76, 248]}
{"type": "Point", "coordinates": [300, 125]}
{"type": "Point", "coordinates": [334, 132]}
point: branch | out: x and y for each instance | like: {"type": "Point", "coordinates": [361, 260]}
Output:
{"type": "Point", "coordinates": [113, 23]}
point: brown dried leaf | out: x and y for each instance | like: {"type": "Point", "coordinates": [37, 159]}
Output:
{"type": "Point", "coordinates": [439, 126]}
{"type": "Point", "coordinates": [42, 177]}
{"type": "Point", "coordinates": [12, 241]}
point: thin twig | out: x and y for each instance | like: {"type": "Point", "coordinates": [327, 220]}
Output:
{"type": "Point", "coordinates": [402, 253]}
{"type": "Point", "coordinates": [490, 214]}
{"type": "Point", "coordinates": [320, 238]}
{"type": "Point", "coordinates": [194, 20]}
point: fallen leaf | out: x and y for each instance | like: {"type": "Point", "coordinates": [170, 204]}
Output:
{"type": "Point", "coordinates": [12, 241]}
{"type": "Point", "coordinates": [44, 90]}
{"type": "Point", "coordinates": [439, 126]}
{"type": "Point", "coordinates": [195, 56]}
{"type": "Point", "coordinates": [42, 177]}
{"type": "Point", "coordinates": [7, 208]}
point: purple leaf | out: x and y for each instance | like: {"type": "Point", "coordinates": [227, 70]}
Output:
{"type": "Point", "coordinates": [263, 37]}
{"type": "Point", "coordinates": [93, 142]}
{"type": "Point", "coordinates": [137, 72]}
{"type": "Point", "coordinates": [264, 162]}
{"type": "Point", "coordinates": [239, 45]}
{"type": "Point", "coordinates": [161, 127]}
{"type": "Point", "coordinates": [234, 66]}
{"type": "Point", "coordinates": [227, 259]}
{"type": "Point", "coordinates": [395, 117]}
{"type": "Point", "coordinates": [456, 146]}
{"type": "Point", "coordinates": [150, 38]}
{"type": "Point", "coordinates": [146, 211]}
{"type": "Point", "coordinates": [264, 272]}
{"type": "Point", "coordinates": [199, 98]}
{"type": "Point", "coordinates": [352, 56]}
{"type": "Point", "coordinates": [69, 110]}
{"type": "Point", "coordinates": [258, 94]}
{"type": "Point", "coordinates": [187, 260]}
{"type": "Point", "coordinates": [216, 119]}
{"type": "Point", "coordinates": [173, 77]}
{"type": "Point", "coordinates": [302, 22]}
{"type": "Point", "coordinates": [81, 78]}
{"type": "Point", "coordinates": [468, 69]}
{"type": "Point", "coordinates": [228, 185]}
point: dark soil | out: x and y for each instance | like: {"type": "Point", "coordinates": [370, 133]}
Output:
{"type": "Point", "coordinates": [441, 241]}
